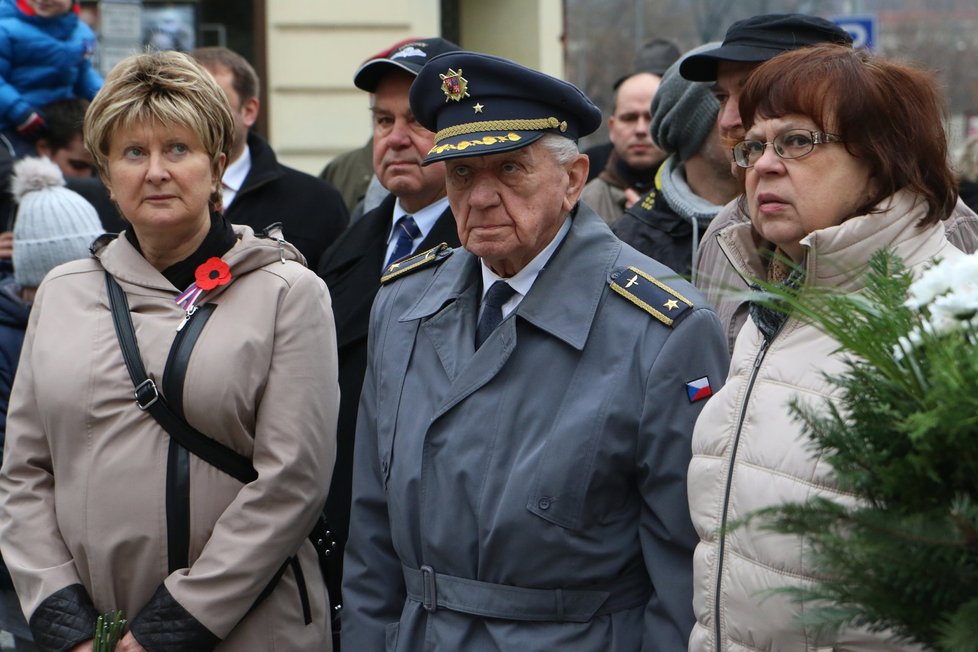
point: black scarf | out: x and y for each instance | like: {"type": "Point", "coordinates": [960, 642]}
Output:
{"type": "Point", "coordinates": [219, 239]}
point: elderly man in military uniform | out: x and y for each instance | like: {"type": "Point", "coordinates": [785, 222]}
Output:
{"type": "Point", "coordinates": [524, 430]}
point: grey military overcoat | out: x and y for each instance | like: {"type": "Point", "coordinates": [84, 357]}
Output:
{"type": "Point", "coordinates": [530, 495]}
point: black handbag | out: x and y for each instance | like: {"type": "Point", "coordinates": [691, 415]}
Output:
{"type": "Point", "coordinates": [150, 399]}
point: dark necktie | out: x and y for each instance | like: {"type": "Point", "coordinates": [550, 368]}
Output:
{"type": "Point", "coordinates": [407, 230]}
{"type": "Point", "coordinates": [492, 310]}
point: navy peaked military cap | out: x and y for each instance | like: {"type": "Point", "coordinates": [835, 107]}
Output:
{"type": "Point", "coordinates": [480, 104]}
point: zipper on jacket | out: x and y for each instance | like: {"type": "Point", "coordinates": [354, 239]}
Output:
{"type": "Point", "coordinates": [726, 493]}
{"type": "Point", "coordinates": [183, 322]}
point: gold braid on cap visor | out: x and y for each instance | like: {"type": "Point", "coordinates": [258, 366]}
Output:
{"type": "Point", "coordinates": [535, 124]}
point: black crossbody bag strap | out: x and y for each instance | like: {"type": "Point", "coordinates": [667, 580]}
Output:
{"type": "Point", "coordinates": [148, 397]}
{"type": "Point", "coordinates": [178, 457]}
{"type": "Point", "coordinates": [218, 455]}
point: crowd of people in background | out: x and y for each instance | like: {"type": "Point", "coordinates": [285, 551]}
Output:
{"type": "Point", "coordinates": [527, 388]}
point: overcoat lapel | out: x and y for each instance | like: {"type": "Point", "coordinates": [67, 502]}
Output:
{"type": "Point", "coordinates": [483, 365]}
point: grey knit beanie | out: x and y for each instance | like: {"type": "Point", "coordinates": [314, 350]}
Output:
{"type": "Point", "coordinates": [54, 225]}
{"type": "Point", "coordinates": [683, 112]}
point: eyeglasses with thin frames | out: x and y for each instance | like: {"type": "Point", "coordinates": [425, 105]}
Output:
{"type": "Point", "coordinates": [788, 145]}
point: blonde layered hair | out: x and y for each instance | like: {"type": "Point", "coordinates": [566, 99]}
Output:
{"type": "Point", "coordinates": [168, 88]}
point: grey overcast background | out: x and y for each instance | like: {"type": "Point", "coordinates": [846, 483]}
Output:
{"type": "Point", "coordinates": [939, 35]}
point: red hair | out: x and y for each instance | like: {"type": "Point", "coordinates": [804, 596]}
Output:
{"type": "Point", "coordinates": [888, 114]}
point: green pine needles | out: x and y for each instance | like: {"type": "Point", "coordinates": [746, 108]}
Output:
{"type": "Point", "coordinates": [109, 630]}
{"type": "Point", "coordinates": [904, 436]}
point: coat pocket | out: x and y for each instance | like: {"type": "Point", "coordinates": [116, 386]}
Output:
{"type": "Point", "coordinates": [565, 471]}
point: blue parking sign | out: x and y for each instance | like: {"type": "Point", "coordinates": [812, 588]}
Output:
{"type": "Point", "coordinates": [862, 29]}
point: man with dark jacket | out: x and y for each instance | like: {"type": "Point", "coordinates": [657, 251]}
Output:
{"type": "Point", "coordinates": [258, 190]}
{"type": "Point", "coordinates": [693, 183]}
{"type": "Point", "coordinates": [352, 267]}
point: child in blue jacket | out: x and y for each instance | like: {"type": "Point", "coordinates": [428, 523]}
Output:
{"type": "Point", "coordinates": [45, 55]}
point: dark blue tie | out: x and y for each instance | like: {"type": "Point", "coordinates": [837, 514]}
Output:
{"type": "Point", "coordinates": [492, 310]}
{"type": "Point", "coordinates": [407, 230]}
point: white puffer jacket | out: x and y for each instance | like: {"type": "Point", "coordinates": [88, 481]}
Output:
{"type": "Point", "coordinates": [749, 453]}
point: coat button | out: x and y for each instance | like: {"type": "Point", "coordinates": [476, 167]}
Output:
{"type": "Point", "coordinates": [544, 503]}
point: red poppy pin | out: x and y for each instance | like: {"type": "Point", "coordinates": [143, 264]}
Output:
{"type": "Point", "coordinates": [212, 273]}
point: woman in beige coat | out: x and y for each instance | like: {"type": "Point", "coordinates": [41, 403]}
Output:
{"type": "Point", "coordinates": [844, 154]}
{"type": "Point", "coordinates": [100, 508]}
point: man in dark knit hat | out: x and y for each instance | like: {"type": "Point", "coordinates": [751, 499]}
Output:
{"type": "Point", "coordinates": [525, 422]}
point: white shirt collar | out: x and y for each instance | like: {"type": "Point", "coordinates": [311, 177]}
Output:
{"type": "Point", "coordinates": [523, 280]}
{"type": "Point", "coordinates": [235, 175]}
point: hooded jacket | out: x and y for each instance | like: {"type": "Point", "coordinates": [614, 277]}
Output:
{"type": "Point", "coordinates": [724, 288]}
{"type": "Point", "coordinates": [668, 223]}
{"type": "Point", "coordinates": [85, 495]}
{"type": "Point", "coordinates": [42, 60]}
{"type": "Point", "coordinates": [750, 453]}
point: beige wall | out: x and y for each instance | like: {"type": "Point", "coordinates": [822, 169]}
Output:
{"type": "Point", "coordinates": [526, 31]}
{"type": "Point", "coordinates": [313, 49]}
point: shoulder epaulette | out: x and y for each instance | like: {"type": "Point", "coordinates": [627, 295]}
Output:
{"type": "Point", "coordinates": [416, 262]}
{"type": "Point", "coordinates": [651, 295]}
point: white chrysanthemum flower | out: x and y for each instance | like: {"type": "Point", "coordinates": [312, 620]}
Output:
{"type": "Point", "coordinates": [961, 303]}
{"type": "Point", "coordinates": [964, 274]}
{"type": "Point", "coordinates": [934, 282]}
{"type": "Point", "coordinates": [942, 322]}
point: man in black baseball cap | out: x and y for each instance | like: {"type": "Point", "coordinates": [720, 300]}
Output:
{"type": "Point", "coordinates": [747, 44]}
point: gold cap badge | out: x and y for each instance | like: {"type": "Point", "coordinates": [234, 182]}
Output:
{"type": "Point", "coordinates": [454, 85]}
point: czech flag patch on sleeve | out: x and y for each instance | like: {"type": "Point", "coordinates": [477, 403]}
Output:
{"type": "Point", "coordinates": [699, 389]}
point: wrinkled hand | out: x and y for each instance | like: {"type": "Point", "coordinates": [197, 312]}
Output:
{"type": "Point", "coordinates": [32, 125]}
{"type": "Point", "coordinates": [87, 646]}
{"type": "Point", "coordinates": [7, 245]}
{"type": "Point", "coordinates": [631, 197]}
{"type": "Point", "coordinates": [129, 644]}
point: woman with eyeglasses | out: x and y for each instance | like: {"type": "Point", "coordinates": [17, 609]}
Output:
{"type": "Point", "coordinates": [844, 154]}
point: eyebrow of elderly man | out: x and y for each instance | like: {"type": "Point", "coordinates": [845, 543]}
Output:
{"type": "Point", "coordinates": [519, 478]}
